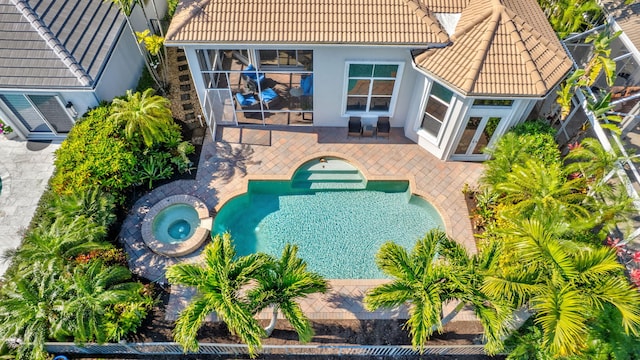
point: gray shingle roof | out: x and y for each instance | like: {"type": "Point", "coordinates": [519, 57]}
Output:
{"type": "Point", "coordinates": [55, 43]}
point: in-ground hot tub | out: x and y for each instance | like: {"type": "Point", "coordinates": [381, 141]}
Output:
{"type": "Point", "coordinates": [176, 226]}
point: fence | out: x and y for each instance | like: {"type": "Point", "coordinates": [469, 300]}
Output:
{"type": "Point", "coordinates": [168, 348]}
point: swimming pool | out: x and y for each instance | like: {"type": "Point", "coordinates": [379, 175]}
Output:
{"type": "Point", "coordinates": [337, 224]}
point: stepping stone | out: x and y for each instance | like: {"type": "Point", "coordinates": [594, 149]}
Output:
{"type": "Point", "coordinates": [187, 106]}
{"type": "Point", "coordinates": [180, 50]}
{"type": "Point", "coordinates": [183, 77]}
{"type": "Point", "coordinates": [183, 67]}
{"type": "Point", "coordinates": [189, 116]}
{"type": "Point", "coordinates": [185, 97]}
{"type": "Point", "coordinates": [186, 87]}
{"type": "Point", "coordinates": [182, 58]}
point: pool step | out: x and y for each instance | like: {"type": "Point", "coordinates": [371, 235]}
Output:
{"type": "Point", "coordinates": [346, 176]}
{"type": "Point", "coordinates": [330, 178]}
{"type": "Point", "coordinates": [334, 185]}
{"type": "Point", "coordinates": [330, 165]}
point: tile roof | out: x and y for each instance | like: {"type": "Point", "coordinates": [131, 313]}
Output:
{"type": "Point", "coordinates": [381, 22]}
{"type": "Point", "coordinates": [55, 43]}
{"type": "Point", "coordinates": [627, 17]}
{"type": "Point", "coordinates": [500, 47]}
{"type": "Point", "coordinates": [496, 51]}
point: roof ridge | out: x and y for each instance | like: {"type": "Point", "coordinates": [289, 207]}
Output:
{"type": "Point", "coordinates": [422, 12]}
{"type": "Point", "coordinates": [53, 42]}
{"type": "Point", "coordinates": [484, 45]}
{"type": "Point", "coordinates": [478, 19]}
{"type": "Point", "coordinates": [519, 43]}
{"type": "Point", "coordinates": [182, 17]}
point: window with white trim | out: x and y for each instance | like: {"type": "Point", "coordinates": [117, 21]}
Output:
{"type": "Point", "coordinates": [286, 58]}
{"type": "Point", "coordinates": [371, 87]}
{"type": "Point", "coordinates": [436, 109]}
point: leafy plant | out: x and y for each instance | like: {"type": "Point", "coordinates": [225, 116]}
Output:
{"type": "Point", "coordinates": [155, 167]}
{"type": "Point", "coordinates": [4, 128]}
{"type": "Point", "coordinates": [181, 160]}
{"type": "Point", "coordinates": [143, 114]}
{"type": "Point", "coordinates": [92, 204]}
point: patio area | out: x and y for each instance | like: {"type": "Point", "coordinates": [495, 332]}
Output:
{"type": "Point", "coordinates": [241, 154]}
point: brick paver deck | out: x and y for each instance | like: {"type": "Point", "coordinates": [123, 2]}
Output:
{"type": "Point", "coordinates": [241, 154]}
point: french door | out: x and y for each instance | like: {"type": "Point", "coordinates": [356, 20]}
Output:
{"type": "Point", "coordinates": [481, 130]}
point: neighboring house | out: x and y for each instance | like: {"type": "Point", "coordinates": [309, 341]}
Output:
{"type": "Point", "coordinates": [454, 74]}
{"type": "Point", "coordinates": [58, 58]}
{"type": "Point", "coordinates": [626, 91]}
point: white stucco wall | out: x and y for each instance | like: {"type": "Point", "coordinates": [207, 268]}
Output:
{"type": "Point", "coordinates": [329, 81]}
{"type": "Point", "coordinates": [123, 69]}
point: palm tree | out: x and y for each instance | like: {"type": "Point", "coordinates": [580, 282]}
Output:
{"type": "Point", "coordinates": [96, 289]}
{"type": "Point", "coordinates": [219, 281]}
{"type": "Point", "coordinates": [537, 187]}
{"type": "Point", "coordinates": [30, 311]}
{"type": "Point", "coordinates": [56, 244]}
{"type": "Point", "coordinates": [93, 204]}
{"type": "Point", "coordinates": [597, 166]}
{"type": "Point", "coordinates": [438, 270]}
{"type": "Point", "coordinates": [570, 16]}
{"type": "Point", "coordinates": [143, 113]}
{"type": "Point", "coordinates": [566, 284]}
{"type": "Point", "coordinates": [286, 280]}
{"type": "Point", "coordinates": [59, 242]}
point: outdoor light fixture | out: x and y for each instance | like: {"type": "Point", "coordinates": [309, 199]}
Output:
{"type": "Point", "coordinates": [71, 109]}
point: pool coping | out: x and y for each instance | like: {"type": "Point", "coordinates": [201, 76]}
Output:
{"type": "Point", "coordinates": [244, 188]}
{"type": "Point", "coordinates": [185, 247]}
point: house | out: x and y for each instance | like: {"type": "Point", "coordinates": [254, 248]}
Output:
{"type": "Point", "coordinates": [454, 75]}
{"type": "Point", "coordinates": [58, 58]}
{"type": "Point", "coordinates": [626, 50]}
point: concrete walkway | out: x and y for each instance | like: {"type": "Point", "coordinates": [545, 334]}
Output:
{"type": "Point", "coordinates": [25, 169]}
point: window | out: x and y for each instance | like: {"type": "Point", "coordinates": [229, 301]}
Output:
{"type": "Point", "coordinates": [436, 109]}
{"type": "Point", "coordinates": [286, 58]}
{"type": "Point", "coordinates": [371, 87]}
{"type": "Point", "coordinates": [39, 113]}
{"type": "Point", "coordinates": [492, 102]}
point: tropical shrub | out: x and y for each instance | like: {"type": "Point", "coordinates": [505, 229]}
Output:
{"type": "Point", "coordinates": [547, 230]}
{"type": "Point", "coordinates": [104, 152]}
{"type": "Point", "coordinates": [95, 154]}
{"type": "Point", "coordinates": [531, 139]}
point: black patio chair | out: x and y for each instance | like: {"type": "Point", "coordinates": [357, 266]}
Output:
{"type": "Point", "coordinates": [355, 126]}
{"type": "Point", "coordinates": [384, 127]}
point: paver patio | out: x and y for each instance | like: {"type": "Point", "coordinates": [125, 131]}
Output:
{"type": "Point", "coordinates": [241, 154]}
{"type": "Point", "coordinates": [25, 169]}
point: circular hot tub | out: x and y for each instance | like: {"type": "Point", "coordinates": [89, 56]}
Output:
{"type": "Point", "coordinates": [176, 226]}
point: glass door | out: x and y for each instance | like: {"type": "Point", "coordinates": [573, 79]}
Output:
{"type": "Point", "coordinates": [479, 133]}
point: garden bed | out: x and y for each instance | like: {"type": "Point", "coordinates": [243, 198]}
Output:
{"type": "Point", "coordinates": [327, 332]}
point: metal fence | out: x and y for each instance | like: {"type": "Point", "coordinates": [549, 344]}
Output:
{"type": "Point", "coordinates": [169, 348]}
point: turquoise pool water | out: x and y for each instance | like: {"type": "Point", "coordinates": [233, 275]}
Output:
{"type": "Point", "coordinates": [175, 224]}
{"type": "Point", "coordinates": [337, 231]}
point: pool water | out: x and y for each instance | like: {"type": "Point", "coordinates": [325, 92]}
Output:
{"type": "Point", "coordinates": [338, 232]}
{"type": "Point", "coordinates": [175, 224]}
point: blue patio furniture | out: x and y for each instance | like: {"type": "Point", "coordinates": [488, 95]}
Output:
{"type": "Point", "coordinates": [246, 100]}
{"type": "Point", "coordinates": [268, 96]}
{"type": "Point", "coordinates": [252, 77]}
{"type": "Point", "coordinates": [307, 85]}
